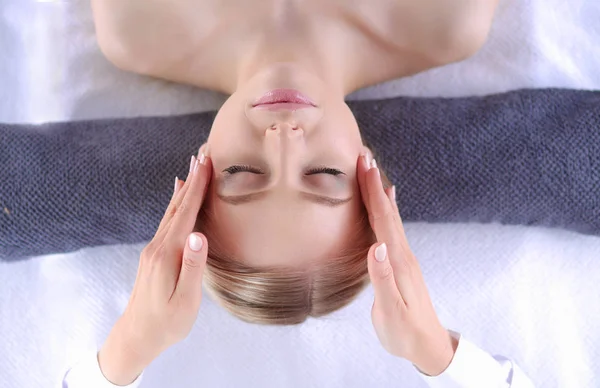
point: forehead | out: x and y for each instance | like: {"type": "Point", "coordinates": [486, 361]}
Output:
{"type": "Point", "coordinates": [281, 232]}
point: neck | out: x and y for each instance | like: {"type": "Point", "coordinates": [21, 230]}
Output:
{"type": "Point", "coordinates": [292, 42]}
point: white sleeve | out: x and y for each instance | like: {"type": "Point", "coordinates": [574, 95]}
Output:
{"type": "Point", "coordinates": [87, 374]}
{"type": "Point", "coordinates": [472, 367]}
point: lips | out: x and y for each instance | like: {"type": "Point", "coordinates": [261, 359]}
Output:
{"type": "Point", "coordinates": [284, 99]}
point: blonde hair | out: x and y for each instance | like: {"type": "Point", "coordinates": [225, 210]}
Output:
{"type": "Point", "coordinates": [286, 296]}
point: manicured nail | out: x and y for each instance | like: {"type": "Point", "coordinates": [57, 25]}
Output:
{"type": "Point", "coordinates": [196, 166]}
{"type": "Point", "coordinates": [202, 158]}
{"type": "Point", "coordinates": [365, 160]}
{"type": "Point", "coordinates": [192, 162]}
{"type": "Point", "coordinates": [176, 181]}
{"type": "Point", "coordinates": [394, 193]}
{"type": "Point", "coordinates": [374, 166]}
{"type": "Point", "coordinates": [380, 252]}
{"type": "Point", "coordinates": [195, 243]}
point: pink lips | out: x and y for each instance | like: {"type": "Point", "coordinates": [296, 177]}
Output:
{"type": "Point", "coordinates": [284, 99]}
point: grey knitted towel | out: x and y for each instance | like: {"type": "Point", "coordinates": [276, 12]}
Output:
{"type": "Point", "coordinates": [529, 157]}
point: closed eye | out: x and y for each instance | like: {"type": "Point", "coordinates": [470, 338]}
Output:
{"type": "Point", "coordinates": [243, 168]}
{"type": "Point", "coordinates": [324, 170]}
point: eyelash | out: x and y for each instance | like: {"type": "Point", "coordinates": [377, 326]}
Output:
{"type": "Point", "coordinates": [245, 168]}
{"type": "Point", "coordinates": [324, 170]}
{"type": "Point", "coordinates": [242, 168]}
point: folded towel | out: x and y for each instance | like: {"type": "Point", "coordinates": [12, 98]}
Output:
{"type": "Point", "coordinates": [528, 157]}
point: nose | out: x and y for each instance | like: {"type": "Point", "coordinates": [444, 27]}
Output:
{"type": "Point", "coordinates": [284, 146]}
{"type": "Point", "coordinates": [287, 129]}
{"type": "Point", "coordinates": [283, 120]}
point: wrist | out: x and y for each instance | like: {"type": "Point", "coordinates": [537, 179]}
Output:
{"type": "Point", "coordinates": [121, 360]}
{"type": "Point", "coordinates": [436, 355]}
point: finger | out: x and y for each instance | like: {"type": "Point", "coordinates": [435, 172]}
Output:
{"type": "Point", "coordinates": [387, 295]}
{"type": "Point", "coordinates": [176, 189]}
{"type": "Point", "coordinates": [187, 211]}
{"type": "Point", "coordinates": [181, 195]}
{"type": "Point", "coordinates": [178, 195]}
{"type": "Point", "coordinates": [382, 214]}
{"type": "Point", "coordinates": [391, 194]}
{"type": "Point", "coordinates": [362, 167]}
{"type": "Point", "coordinates": [172, 209]}
{"type": "Point", "coordinates": [388, 228]}
{"type": "Point", "coordinates": [189, 284]}
{"type": "Point", "coordinates": [180, 190]}
{"type": "Point", "coordinates": [178, 185]}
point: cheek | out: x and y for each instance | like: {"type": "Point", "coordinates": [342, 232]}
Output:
{"type": "Point", "coordinates": [230, 132]}
{"type": "Point", "coordinates": [342, 144]}
{"type": "Point", "coordinates": [341, 129]}
{"type": "Point", "coordinates": [224, 122]}
{"type": "Point", "coordinates": [229, 117]}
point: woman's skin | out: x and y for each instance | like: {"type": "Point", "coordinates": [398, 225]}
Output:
{"type": "Point", "coordinates": [326, 50]}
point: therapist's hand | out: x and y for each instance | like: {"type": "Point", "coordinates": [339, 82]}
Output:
{"type": "Point", "coordinates": [403, 315]}
{"type": "Point", "coordinates": [168, 288]}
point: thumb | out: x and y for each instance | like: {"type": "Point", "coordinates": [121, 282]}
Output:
{"type": "Point", "coordinates": [387, 295]}
{"type": "Point", "coordinates": [189, 285]}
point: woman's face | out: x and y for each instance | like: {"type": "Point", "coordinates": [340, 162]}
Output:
{"type": "Point", "coordinates": [284, 189]}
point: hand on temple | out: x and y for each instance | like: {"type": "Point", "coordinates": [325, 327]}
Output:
{"type": "Point", "coordinates": [168, 288]}
{"type": "Point", "coordinates": [403, 316]}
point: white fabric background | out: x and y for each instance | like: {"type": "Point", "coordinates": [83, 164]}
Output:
{"type": "Point", "coordinates": [531, 294]}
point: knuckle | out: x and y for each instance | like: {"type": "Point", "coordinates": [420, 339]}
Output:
{"type": "Point", "coordinates": [159, 251]}
{"type": "Point", "coordinates": [388, 212]}
{"type": "Point", "coordinates": [183, 206]}
{"type": "Point", "coordinates": [172, 210]}
{"type": "Point", "coordinates": [152, 251]}
{"type": "Point", "coordinates": [386, 273]}
{"type": "Point", "coordinates": [148, 251]}
{"type": "Point", "coordinates": [154, 254]}
{"type": "Point", "coordinates": [190, 264]}
{"type": "Point", "coordinates": [398, 304]}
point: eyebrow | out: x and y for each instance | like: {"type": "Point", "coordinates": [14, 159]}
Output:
{"type": "Point", "coordinates": [311, 197]}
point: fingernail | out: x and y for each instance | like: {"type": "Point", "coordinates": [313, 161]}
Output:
{"type": "Point", "coordinates": [195, 243]}
{"type": "Point", "coordinates": [374, 166]}
{"type": "Point", "coordinates": [394, 193]}
{"type": "Point", "coordinates": [202, 158]}
{"type": "Point", "coordinates": [196, 166]}
{"type": "Point", "coordinates": [380, 252]}
{"type": "Point", "coordinates": [176, 181]}
{"type": "Point", "coordinates": [366, 163]}
{"type": "Point", "coordinates": [192, 162]}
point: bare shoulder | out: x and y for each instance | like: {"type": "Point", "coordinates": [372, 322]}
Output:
{"type": "Point", "coordinates": [441, 30]}
{"type": "Point", "coordinates": [410, 36]}
{"type": "Point", "coordinates": [150, 36]}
